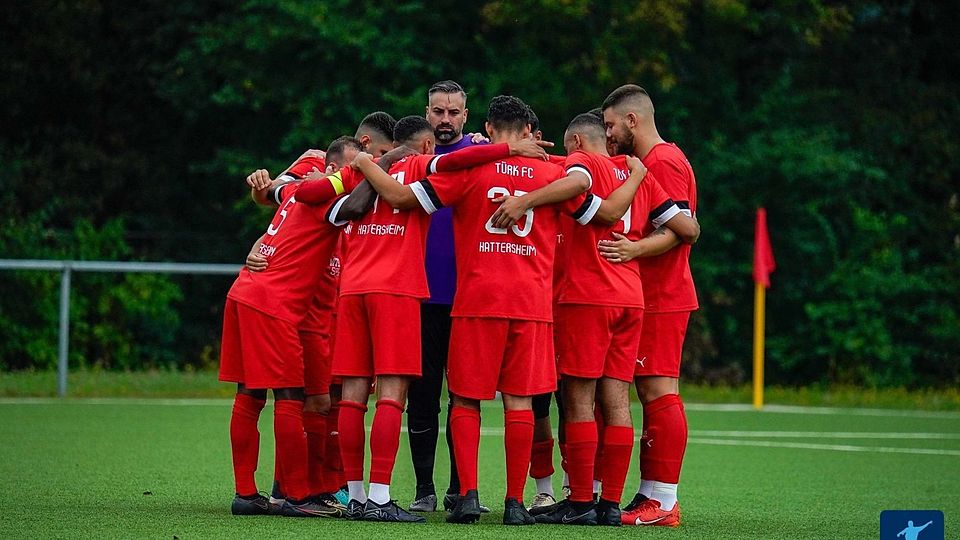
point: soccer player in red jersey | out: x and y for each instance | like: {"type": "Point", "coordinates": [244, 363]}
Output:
{"type": "Point", "coordinates": [261, 346]}
{"type": "Point", "coordinates": [598, 322]}
{"type": "Point", "coordinates": [383, 283]}
{"type": "Point", "coordinates": [321, 407]}
{"type": "Point", "coordinates": [628, 114]}
{"type": "Point", "coordinates": [501, 336]}
{"type": "Point", "coordinates": [316, 336]}
{"type": "Point", "coordinates": [541, 459]}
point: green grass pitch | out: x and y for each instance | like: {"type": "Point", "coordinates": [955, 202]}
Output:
{"type": "Point", "coordinates": [161, 469]}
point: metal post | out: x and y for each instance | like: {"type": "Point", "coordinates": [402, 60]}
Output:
{"type": "Point", "coordinates": [64, 335]}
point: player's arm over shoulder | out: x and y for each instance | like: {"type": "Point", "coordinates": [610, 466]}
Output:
{"type": "Point", "coordinates": [395, 194]}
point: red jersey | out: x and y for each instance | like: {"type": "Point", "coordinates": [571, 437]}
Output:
{"type": "Point", "coordinates": [325, 300]}
{"type": "Point", "coordinates": [303, 166]}
{"type": "Point", "coordinates": [557, 160]}
{"type": "Point", "coordinates": [297, 247]}
{"type": "Point", "coordinates": [588, 278]}
{"type": "Point", "coordinates": [387, 245]}
{"type": "Point", "coordinates": [505, 273]}
{"type": "Point", "coordinates": [326, 295]}
{"type": "Point", "coordinates": [667, 281]}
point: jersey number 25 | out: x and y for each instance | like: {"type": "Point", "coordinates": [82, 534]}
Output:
{"type": "Point", "coordinates": [496, 192]}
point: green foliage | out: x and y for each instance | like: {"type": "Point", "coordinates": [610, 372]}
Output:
{"type": "Point", "coordinates": [841, 118]}
{"type": "Point", "coordinates": [116, 321]}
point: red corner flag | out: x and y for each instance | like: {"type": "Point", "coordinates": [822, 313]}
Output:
{"type": "Point", "coordinates": [763, 263]}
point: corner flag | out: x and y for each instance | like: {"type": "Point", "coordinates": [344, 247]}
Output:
{"type": "Point", "coordinates": [763, 265]}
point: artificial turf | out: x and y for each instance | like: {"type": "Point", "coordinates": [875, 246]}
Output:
{"type": "Point", "coordinates": [161, 469]}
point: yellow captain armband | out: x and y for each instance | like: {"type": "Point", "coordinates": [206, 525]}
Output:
{"type": "Point", "coordinates": [336, 180]}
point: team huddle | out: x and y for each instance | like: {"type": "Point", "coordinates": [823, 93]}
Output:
{"type": "Point", "coordinates": [411, 253]}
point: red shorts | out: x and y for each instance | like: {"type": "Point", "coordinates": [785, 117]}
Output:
{"type": "Point", "coordinates": [258, 350]}
{"type": "Point", "coordinates": [661, 344]}
{"type": "Point", "coordinates": [377, 334]}
{"type": "Point", "coordinates": [317, 362]}
{"type": "Point", "coordinates": [334, 380]}
{"type": "Point", "coordinates": [509, 355]}
{"type": "Point", "coordinates": [597, 341]}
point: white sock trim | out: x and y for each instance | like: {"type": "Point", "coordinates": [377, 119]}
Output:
{"type": "Point", "coordinates": [545, 485]}
{"type": "Point", "coordinates": [379, 493]}
{"type": "Point", "coordinates": [646, 488]}
{"type": "Point", "coordinates": [357, 493]}
{"type": "Point", "coordinates": [665, 494]}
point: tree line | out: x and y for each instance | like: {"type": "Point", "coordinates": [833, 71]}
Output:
{"type": "Point", "coordinates": [128, 129]}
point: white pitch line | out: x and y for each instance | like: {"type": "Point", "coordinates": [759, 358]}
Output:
{"type": "Point", "coordinates": [709, 407]}
{"type": "Point", "coordinates": [166, 402]}
{"type": "Point", "coordinates": [824, 434]}
{"type": "Point", "coordinates": [799, 409]}
{"type": "Point", "coordinates": [832, 447]}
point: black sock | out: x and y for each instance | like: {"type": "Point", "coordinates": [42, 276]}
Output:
{"type": "Point", "coordinates": [454, 477]}
{"type": "Point", "coordinates": [423, 432]}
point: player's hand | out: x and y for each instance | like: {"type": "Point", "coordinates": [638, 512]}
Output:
{"type": "Point", "coordinates": [259, 180]}
{"type": "Point", "coordinates": [256, 262]}
{"type": "Point", "coordinates": [529, 148]}
{"type": "Point", "coordinates": [387, 160]}
{"type": "Point", "coordinates": [478, 138]}
{"type": "Point", "coordinates": [314, 174]}
{"type": "Point", "coordinates": [511, 209]}
{"type": "Point", "coordinates": [636, 166]}
{"type": "Point", "coordinates": [620, 250]}
{"type": "Point", "coordinates": [361, 157]}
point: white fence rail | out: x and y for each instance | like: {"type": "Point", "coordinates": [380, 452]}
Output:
{"type": "Point", "coordinates": [66, 269]}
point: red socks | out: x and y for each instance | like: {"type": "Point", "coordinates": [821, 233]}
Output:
{"type": "Point", "coordinates": [332, 464]}
{"type": "Point", "coordinates": [315, 425]}
{"type": "Point", "coordinates": [541, 459]}
{"type": "Point", "coordinates": [291, 447]}
{"type": "Point", "coordinates": [384, 440]}
{"type": "Point", "coordinates": [352, 437]}
{"type": "Point", "coordinates": [664, 439]}
{"type": "Point", "coordinates": [581, 451]}
{"type": "Point", "coordinates": [601, 425]}
{"type": "Point", "coordinates": [465, 427]}
{"type": "Point", "coordinates": [615, 461]}
{"type": "Point", "coordinates": [245, 441]}
{"type": "Point", "coordinates": [518, 443]}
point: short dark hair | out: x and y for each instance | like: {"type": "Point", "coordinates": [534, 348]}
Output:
{"type": "Point", "coordinates": [377, 123]}
{"type": "Point", "coordinates": [534, 121]}
{"type": "Point", "coordinates": [409, 127]}
{"type": "Point", "coordinates": [587, 124]}
{"type": "Point", "coordinates": [339, 145]}
{"type": "Point", "coordinates": [446, 87]}
{"type": "Point", "coordinates": [508, 113]}
{"type": "Point", "coordinates": [622, 94]}
{"type": "Point", "coordinates": [598, 112]}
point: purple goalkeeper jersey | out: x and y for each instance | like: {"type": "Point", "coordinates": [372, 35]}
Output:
{"type": "Point", "coordinates": [440, 262]}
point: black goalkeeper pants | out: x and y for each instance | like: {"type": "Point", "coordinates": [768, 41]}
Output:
{"type": "Point", "coordinates": [423, 399]}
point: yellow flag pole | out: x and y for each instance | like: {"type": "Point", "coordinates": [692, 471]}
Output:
{"type": "Point", "coordinates": [759, 305]}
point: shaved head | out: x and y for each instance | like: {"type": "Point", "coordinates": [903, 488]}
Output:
{"type": "Point", "coordinates": [630, 98]}
{"type": "Point", "coordinates": [585, 132]}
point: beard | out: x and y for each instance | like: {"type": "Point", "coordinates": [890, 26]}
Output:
{"type": "Point", "coordinates": [623, 143]}
{"type": "Point", "coordinates": [445, 133]}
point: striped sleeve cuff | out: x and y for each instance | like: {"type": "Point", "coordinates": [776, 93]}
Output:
{"type": "Point", "coordinates": [426, 196]}
{"type": "Point", "coordinates": [432, 165]}
{"type": "Point", "coordinates": [581, 169]}
{"type": "Point", "coordinates": [664, 213]}
{"type": "Point", "coordinates": [588, 209]}
{"type": "Point", "coordinates": [332, 214]}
